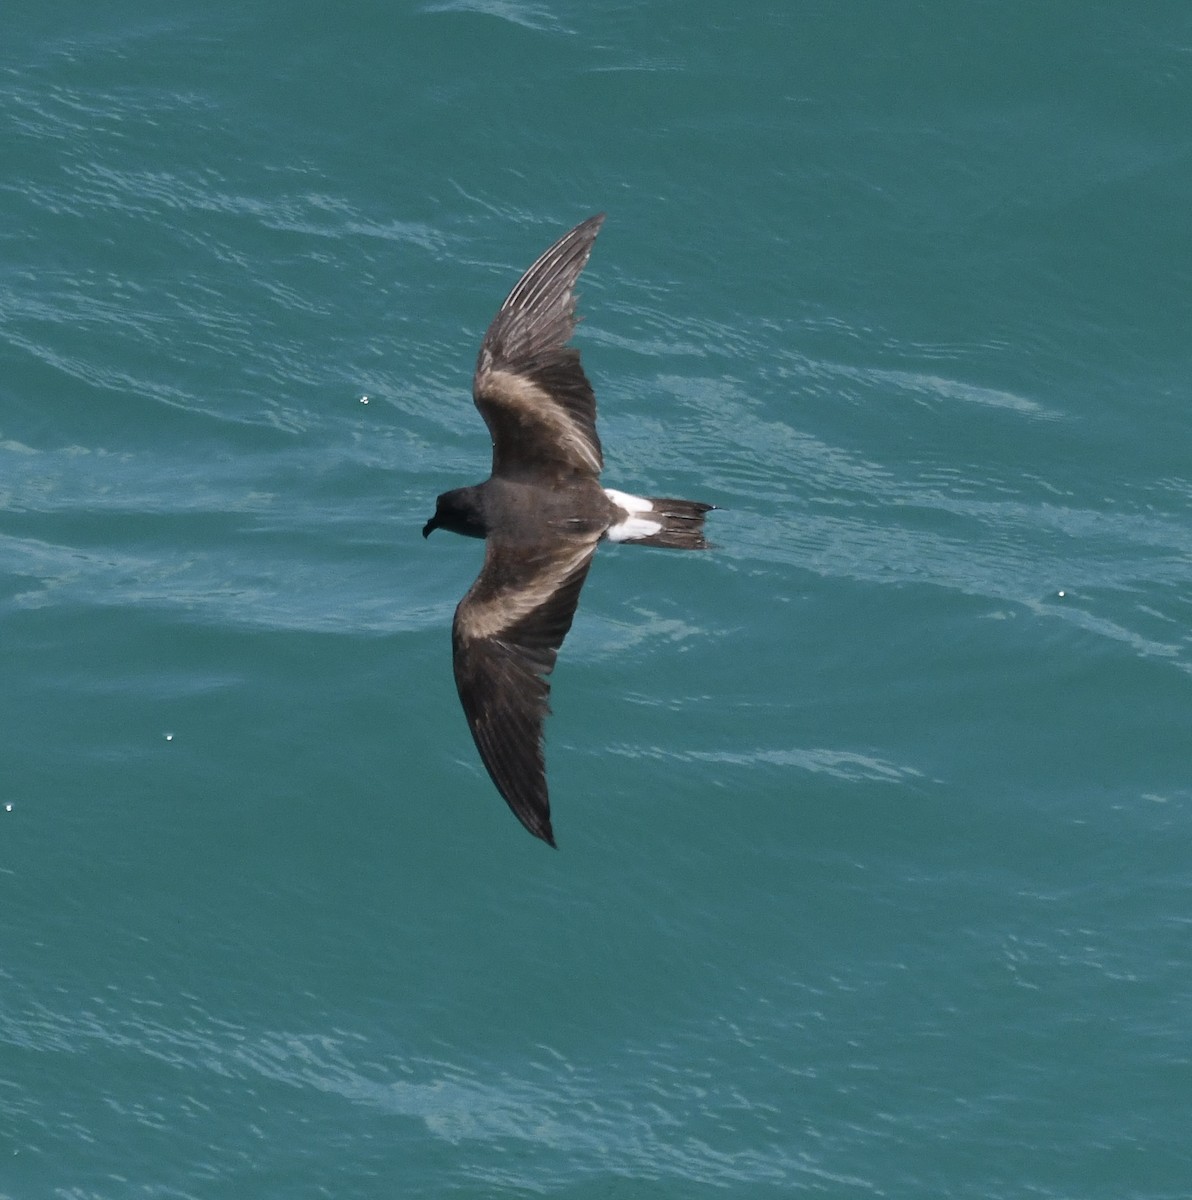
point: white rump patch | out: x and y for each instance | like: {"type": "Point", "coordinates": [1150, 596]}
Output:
{"type": "Point", "coordinates": [633, 505]}
{"type": "Point", "coordinates": [635, 526]}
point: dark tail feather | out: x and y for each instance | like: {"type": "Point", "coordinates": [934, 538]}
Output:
{"type": "Point", "coordinates": [682, 524]}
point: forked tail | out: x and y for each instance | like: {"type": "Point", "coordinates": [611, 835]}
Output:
{"type": "Point", "coordinates": [658, 521]}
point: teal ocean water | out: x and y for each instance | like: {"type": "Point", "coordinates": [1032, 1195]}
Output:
{"type": "Point", "coordinates": [875, 824]}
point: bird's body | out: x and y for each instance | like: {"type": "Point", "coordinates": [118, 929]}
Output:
{"type": "Point", "coordinates": [542, 513]}
{"type": "Point", "coordinates": [529, 509]}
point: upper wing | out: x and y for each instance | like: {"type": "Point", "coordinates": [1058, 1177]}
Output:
{"type": "Point", "coordinates": [505, 638]}
{"type": "Point", "coordinates": [529, 385]}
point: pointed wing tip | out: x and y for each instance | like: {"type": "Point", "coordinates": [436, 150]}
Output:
{"type": "Point", "coordinates": [589, 228]}
{"type": "Point", "coordinates": [539, 826]}
{"type": "Point", "coordinates": [582, 235]}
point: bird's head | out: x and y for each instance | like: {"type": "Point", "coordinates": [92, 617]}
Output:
{"type": "Point", "coordinates": [460, 511]}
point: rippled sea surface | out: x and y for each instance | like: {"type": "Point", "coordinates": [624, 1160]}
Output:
{"type": "Point", "coordinates": [875, 823]}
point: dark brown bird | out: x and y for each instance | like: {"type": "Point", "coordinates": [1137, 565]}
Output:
{"type": "Point", "coordinates": [542, 513]}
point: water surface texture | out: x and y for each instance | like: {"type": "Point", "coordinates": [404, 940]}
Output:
{"type": "Point", "coordinates": [875, 824]}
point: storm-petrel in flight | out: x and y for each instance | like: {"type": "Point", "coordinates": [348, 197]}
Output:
{"type": "Point", "coordinates": [542, 513]}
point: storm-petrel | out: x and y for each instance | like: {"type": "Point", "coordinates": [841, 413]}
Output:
{"type": "Point", "coordinates": [542, 513]}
